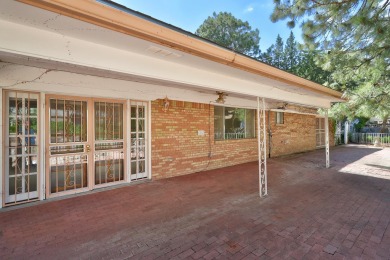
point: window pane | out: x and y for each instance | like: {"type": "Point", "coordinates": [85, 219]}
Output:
{"type": "Point", "coordinates": [279, 117]}
{"type": "Point", "coordinates": [218, 123]}
{"type": "Point", "coordinates": [234, 123]}
{"type": "Point", "coordinates": [250, 123]}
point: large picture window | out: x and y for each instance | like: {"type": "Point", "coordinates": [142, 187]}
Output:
{"type": "Point", "coordinates": [233, 123]}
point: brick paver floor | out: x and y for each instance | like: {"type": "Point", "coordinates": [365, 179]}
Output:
{"type": "Point", "coordinates": [310, 213]}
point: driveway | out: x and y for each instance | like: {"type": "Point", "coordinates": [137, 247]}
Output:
{"type": "Point", "coordinates": [310, 213]}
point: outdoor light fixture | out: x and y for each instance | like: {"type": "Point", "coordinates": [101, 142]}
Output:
{"type": "Point", "coordinates": [283, 106]}
{"type": "Point", "coordinates": [165, 104]}
{"type": "Point", "coordinates": [221, 97]}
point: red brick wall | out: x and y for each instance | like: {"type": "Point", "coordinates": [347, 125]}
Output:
{"type": "Point", "coordinates": [297, 134]}
{"type": "Point", "coordinates": [177, 149]}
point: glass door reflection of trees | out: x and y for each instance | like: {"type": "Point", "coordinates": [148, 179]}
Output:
{"type": "Point", "coordinates": [320, 132]}
{"type": "Point", "coordinates": [138, 140]}
{"type": "Point", "coordinates": [109, 143]}
{"type": "Point", "coordinates": [21, 147]}
{"type": "Point", "coordinates": [68, 142]}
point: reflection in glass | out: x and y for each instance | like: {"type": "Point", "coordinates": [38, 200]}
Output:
{"type": "Point", "coordinates": [133, 112]}
{"type": "Point", "coordinates": [16, 165]}
{"type": "Point", "coordinates": [141, 166]}
{"type": "Point", "coordinates": [68, 173]}
{"type": "Point", "coordinates": [137, 140]}
{"type": "Point", "coordinates": [134, 167]}
{"type": "Point", "coordinates": [141, 125]}
{"type": "Point", "coordinates": [233, 123]}
{"type": "Point", "coordinates": [109, 167]}
{"type": "Point", "coordinates": [137, 153]}
{"type": "Point", "coordinates": [141, 112]}
{"type": "Point", "coordinates": [22, 150]}
{"type": "Point", "coordinates": [108, 121]}
{"type": "Point", "coordinates": [68, 121]}
{"type": "Point", "coordinates": [32, 182]}
{"type": "Point", "coordinates": [133, 125]}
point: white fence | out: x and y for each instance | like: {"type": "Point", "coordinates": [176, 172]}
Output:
{"type": "Point", "coordinates": [371, 138]}
{"type": "Point", "coordinates": [221, 136]}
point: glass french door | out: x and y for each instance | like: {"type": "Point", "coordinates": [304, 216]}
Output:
{"type": "Point", "coordinates": [109, 142]}
{"type": "Point", "coordinates": [68, 149]}
{"type": "Point", "coordinates": [138, 126]}
{"type": "Point", "coordinates": [86, 141]}
{"type": "Point", "coordinates": [320, 132]}
{"type": "Point", "coordinates": [21, 162]}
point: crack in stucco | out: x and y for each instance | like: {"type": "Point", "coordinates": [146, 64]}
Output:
{"type": "Point", "coordinates": [67, 46]}
{"type": "Point", "coordinates": [283, 89]}
{"type": "Point", "coordinates": [28, 81]}
{"type": "Point", "coordinates": [24, 20]}
{"type": "Point", "coordinates": [47, 25]}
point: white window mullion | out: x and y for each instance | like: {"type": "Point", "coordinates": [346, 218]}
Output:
{"type": "Point", "coordinates": [2, 173]}
{"type": "Point", "coordinates": [128, 142]}
{"type": "Point", "coordinates": [148, 141]}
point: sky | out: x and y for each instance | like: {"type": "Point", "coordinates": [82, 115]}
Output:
{"type": "Point", "coordinates": [189, 15]}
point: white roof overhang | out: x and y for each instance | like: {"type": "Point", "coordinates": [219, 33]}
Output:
{"type": "Point", "coordinates": [42, 38]}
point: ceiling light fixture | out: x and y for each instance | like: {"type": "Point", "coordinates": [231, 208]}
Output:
{"type": "Point", "coordinates": [284, 106]}
{"type": "Point", "coordinates": [221, 97]}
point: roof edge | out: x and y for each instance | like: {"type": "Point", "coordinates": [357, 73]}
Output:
{"type": "Point", "coordinates": [150, 29]}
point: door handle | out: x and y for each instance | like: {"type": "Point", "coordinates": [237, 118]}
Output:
{"type": "Point", "coordinates": [88, 148]}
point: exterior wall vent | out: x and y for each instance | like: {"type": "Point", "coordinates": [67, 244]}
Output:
{"type": "Point", "coordinates": [163, 52]}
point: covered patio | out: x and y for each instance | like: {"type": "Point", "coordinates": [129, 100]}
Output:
{"type": "Point", "coordinates": [312, 212]}
{"type": "Point", "coordinates": [95, 81]}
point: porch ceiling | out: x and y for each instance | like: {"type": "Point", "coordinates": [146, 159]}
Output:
{"type": "Point", "coordinates": [40, 38]}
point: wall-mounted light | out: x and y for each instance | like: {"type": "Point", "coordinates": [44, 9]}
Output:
{"type": "Point", "coordinates": [284, 106]}
{"type": "Point", "coordinates": [221, 97]}
{"type": "Point", "coordinates": [165, 104]}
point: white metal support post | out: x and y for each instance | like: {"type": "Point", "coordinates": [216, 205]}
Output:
{"type": "Point", "coordinates": [1, 149]}
{"type": "Point", "coordinates": [42, 148]}
{"type": "Point", "coordinates": [327, 139]}
{"type": "Point", "coordinates": [262, 147]}
{"type": "Point", "coordinates": [346, 132]}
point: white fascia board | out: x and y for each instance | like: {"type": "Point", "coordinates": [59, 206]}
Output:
{"type": "Point", "coordinates": [32, 42]}
{"type": "Point", "coordinates": [21, 77]}
{"type": "Point", "coordinates": [293, 112]}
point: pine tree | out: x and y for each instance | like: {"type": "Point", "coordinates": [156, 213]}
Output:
{"type": "Point", "coordinates": [355, 37]}
{"type": "Point", "coordinates": [278, 53]}
{"type": "Point", "coordinates": [267, 56]}
{"type": "Point", "coordinates": [291, 54]}
{"type": "Point", "coordinates": [223, 28]}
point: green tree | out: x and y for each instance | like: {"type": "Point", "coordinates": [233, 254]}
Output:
{"type": "Point", "coordinates": [354, 35]}
{"type": "Point", "coordinates": [290, 58]}
{"type": "Point", "coordinates": [278, 53]}
{"type": "Point", "coordinates": [267, 55]}
{"type": "Point", "coordinates": [309, 69]}
{"type": "Point", "coordinates": [275, 54]}
{"type": "Point", "coordinates": [223, 28]}
{"type": "Point", "coordinates": [291, 54]}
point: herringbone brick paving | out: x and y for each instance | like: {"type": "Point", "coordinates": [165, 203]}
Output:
{"type": "Point", "coordinates": [310, 213]}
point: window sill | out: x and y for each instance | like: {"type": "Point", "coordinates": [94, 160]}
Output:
{"type": "Point", "coordinates": [241, 139]}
